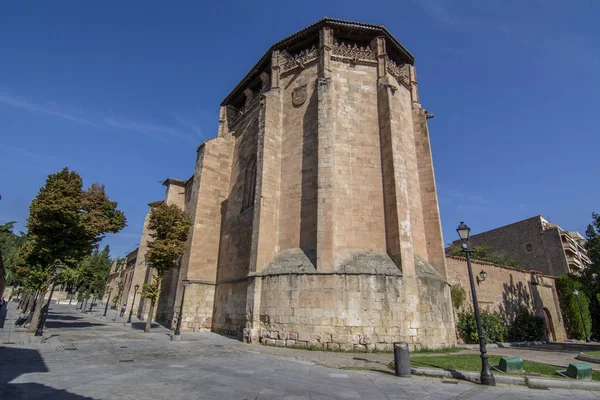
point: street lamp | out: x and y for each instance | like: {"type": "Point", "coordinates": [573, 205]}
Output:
{"type": "Point", "coordinates": [177, 335]}
{"type": "Point", "coordinates": [40, 328]}
{"type": "Point", "coordinates": [487, 378]}
{"type": "Point", "coordinates": [576, 293]}
{"type": "Point", "coordinates": [136, 287]}
{"type": "Point", "coordinates": [107, 301]}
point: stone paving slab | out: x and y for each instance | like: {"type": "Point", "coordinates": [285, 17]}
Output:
{"type": "Point", "coordinates": [207, 367]}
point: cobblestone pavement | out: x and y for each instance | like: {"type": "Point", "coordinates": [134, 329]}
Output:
{"type": "Point", "coordinates": [86, 356]}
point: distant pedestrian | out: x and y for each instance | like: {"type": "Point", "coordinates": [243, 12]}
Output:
{"type": "Point", "coordinates": [123, 308]}
{"type": "Point", "coordinates": [3, 311]}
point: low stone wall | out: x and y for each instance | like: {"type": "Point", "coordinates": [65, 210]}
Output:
{"type": "Point", "coordinates": [355, 311]}
{"type": "Point", "coordinates": [505, 289]}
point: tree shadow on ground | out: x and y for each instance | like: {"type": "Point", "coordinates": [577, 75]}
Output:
{"type": "Point", "coordinates": [59, 317]}
{"type": "Point", "coordinates": [141, 325]}
{"type": "Point", "coordinates": [70, 325]}
{"type": "Point", "coordinates": [15, 362]}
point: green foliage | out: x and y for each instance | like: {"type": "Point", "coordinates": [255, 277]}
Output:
{"type": "Point", "coordinates": [494, 329]}
{"type": "Point", "coordinates": [33, 278]}
{"type": "Point", "coordinates": [170, 227]}
{"type": "Point", "coordinates": [66, 222]}
{"type": "Point", "coordinates": [527, 327]}
{"type": "Point", "coordinates": [458, 296]}
{"type": "Point", "coordinates": [591, 276]}
{"type": "Point", "coordinates": [11, 246]}
{"type": "Point", "coordinates": [484, 253]}
{"type": "Point", "coordinates": [151, 291]}
{"type": "Point", "coordinates": [92, 272]}
{"type": "Point", "coordinates": [565, 285]}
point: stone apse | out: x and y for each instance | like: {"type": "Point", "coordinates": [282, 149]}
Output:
{"type": "Point", "coordinates": [315, 210]}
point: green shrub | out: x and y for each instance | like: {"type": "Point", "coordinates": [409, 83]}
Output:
{"type": "Point", "coordinates": [458, 296]}
{"type": "Point", "coordinates": [527, 327]}
{"type": "Point", "coordinates": [570, 310]}
{"type": "Point", "coordinates": [494, 329]}
{"type": "Point", "coordinates": [484, 253]}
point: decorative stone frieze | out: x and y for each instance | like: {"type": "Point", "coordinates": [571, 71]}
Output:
{"type": "Point", "coordinates": [399, 72]}
{"type": "Point", "coordinates": [300, 60]}
{"type": "Point", "coordinates": [353, 53]}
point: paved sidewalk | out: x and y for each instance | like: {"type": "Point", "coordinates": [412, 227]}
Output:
{"type": "Point", "coordinates": [11, 334]}
{"type": "Point", "coordinates": [91, 357]}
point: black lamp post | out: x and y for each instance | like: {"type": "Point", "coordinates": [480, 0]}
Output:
{"type": "Point", "coordinates": [136, 287]}
{"type": "Point", "coordinates": [178, 328]}
{"type": "Point", "coordinates": [107, 301]}
{"type": "Point", "coordinates": [40, 328]}
{"type": "Point", "coordinates": [587, 337]}
{"type": "Point", "coordinates": [487, 378]}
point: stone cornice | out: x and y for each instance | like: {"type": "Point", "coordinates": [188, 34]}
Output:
{"type": "Point", "coordinates": [395, 50]}
{"type": "Point", "coordinates": [491, 264]}
{"type": "Point", "coordinates": [174, 181]}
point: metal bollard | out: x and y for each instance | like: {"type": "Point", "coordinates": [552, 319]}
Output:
{"type": "Point", "coordinates": [402, 359]}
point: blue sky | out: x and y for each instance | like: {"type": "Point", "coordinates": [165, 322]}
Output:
{"type": "Point", "coordinates": [124, 92]}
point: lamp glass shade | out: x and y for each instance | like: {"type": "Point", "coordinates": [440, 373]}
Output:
{"type": "Point", "coordinates": [483, 275]}
{"type": "Point", "coordinates": [58, 269]}
{"type": "Point", "coordinates": [185, 282]}
{"type": "Point", "coordinates": [576, 292]}
{"type": "Point", "coordinates": [136, 287]}
{"type": "Point", "coordinates": [463, 232]}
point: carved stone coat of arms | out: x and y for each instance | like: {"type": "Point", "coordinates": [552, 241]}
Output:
{"type": "Point", "coordinates": [299, 96]}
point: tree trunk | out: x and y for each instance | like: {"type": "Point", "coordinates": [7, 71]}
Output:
{"type": "Point", "coordinates": [37, 311]}
{"type": "Point", "coordinates": [85, 305]}
{"type": "Point", "coordinates": [24, 301]}
{"type": "Point", "coordinates": [149, 320]}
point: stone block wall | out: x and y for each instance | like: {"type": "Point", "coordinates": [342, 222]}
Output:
{"type": "Point", "coordinates": [199, 298]}
{"type": "Point", "coordinates": [505, 289]}
{"type": "Point", "coordinates": [230, 311]}
{"type": "Point", "coordinates": [546, 253]}
{"type": "Point", "coordinates": [346, 311]}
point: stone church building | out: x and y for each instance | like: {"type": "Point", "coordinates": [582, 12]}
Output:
{"type": "Point", "coordinates": [315, 209]}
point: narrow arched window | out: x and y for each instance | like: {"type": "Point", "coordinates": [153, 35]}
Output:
{"type": "Point", "coordinates": [249, 184]}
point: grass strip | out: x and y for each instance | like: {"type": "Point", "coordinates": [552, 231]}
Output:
{"type": "Point", "coordinates": [472, 362]}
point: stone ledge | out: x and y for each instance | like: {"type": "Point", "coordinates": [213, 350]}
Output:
{"type": "Point", "coordinates": [501, 345]}
{"type": "Point", "coordinates": [585, 357]}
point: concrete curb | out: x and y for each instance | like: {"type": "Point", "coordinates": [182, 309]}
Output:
{"type": "Point", "coordinates": [585, 357]}
{"type": "Point", "coordinates": [500, 345]}
{"type": "Point", "coordinates": [532, 382]}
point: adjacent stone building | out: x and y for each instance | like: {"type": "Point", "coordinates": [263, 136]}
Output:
{"type": "Point", "coordinates": [315, 209]}
{"type": "Point", "coordinates": [120, 278]}
{"type": "Point", "coordinates": [504, 290]}
{"type": "Point", "coordinates": [538, 245]}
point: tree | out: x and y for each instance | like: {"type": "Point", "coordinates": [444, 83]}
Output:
{"type": "Point", "coordinates": [170, 228]}
{"type": "Point", "coordinates": [67, 222]}
{"type": "Point", "coordinates": [10, 248]}
{"type": "Point", "coordinates": [93, 271]}
{"type": "Point", "coordinates": [590, 277]}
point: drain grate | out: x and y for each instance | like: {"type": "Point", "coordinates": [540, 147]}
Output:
{"type": "Point", "coordinates": [65, 346]}
{"type": "Point", "coordinates": [125, 360]}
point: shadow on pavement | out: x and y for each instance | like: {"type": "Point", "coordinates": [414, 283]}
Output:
{"type": "Point", "coordinates": [141, 325]}
{"type": "Point", "coordinates": [70, 325]}
{"type": "Point", "coordinates": [62, 317]}
{"type": "Point", "coordinates": [15, 362]}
